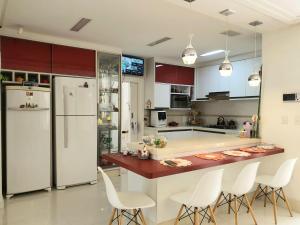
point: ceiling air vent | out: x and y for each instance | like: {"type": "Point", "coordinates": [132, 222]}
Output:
{"type": "Point", "coordinates": [164, 39]}
{"type": "Point", "coordinates": [255, 23]}
{"type": "Point", "coordinates": [227, 12]}
{"type": "Point", "coordinates": [189, 1]}
{"type": "Point", "coordinates": [80, 24]}
{"type": "Point", "coordinates": [230, 33]}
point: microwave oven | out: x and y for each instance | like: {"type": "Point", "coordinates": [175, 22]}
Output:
{"type": "Point", "coordinates": [180, 101]}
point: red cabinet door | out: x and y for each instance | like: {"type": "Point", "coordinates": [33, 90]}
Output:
{"type": "Point", "coordinates": [174, 74]}
{"type": "Point", "coordinates": [185, 75]}
{"type": "Point", "coordinates": [20, 54]}
{"type": "Point", "coordinates": [73, 61]}
{"type": "Point", "coordinates": [165, 73]}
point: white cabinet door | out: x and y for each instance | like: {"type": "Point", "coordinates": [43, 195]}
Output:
{"type": "Point", "coordinates": [237, 79]}
{"type": "Point", "coordinates": [239, 86]}
{"type": "Point", "coordinates": [224, 82]}
{"type": "Point", "coordinates": [162, 95]}
{"type": "Point", "coordinates": [207, 81]}
{"type": "Point", "coordinates": [200, 88]}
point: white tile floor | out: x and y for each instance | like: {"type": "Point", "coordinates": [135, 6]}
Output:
{"type": "Point", "coordinates": [87, 205]}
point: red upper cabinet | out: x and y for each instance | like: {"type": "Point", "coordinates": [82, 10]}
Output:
{"type": "Point", "coordinates": [172, 74]}
{"type": "Point", "coordinates": [185, 75]}
{"type": "Point", "coordinates": [73, 61]}
{"type": "Point", "coordinates": [19, 54]}
{"type": "Point", "coordinates": [165, 73]}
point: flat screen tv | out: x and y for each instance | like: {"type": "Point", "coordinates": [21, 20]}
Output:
{"type": "Point", "coordinates": [132, 65]}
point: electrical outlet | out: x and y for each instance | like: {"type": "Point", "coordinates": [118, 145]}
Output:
{"type": "Point", "coordinates": [284, 120]}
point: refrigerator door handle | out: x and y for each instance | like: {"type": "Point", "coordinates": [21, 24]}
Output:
{"type": "Point", "coordinates": [66, 132]}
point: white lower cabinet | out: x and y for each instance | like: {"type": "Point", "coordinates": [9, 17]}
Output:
{"type": "Point", "coordinates": [172, 135]}
{"type": "Point", "coordinates": [162, 95]}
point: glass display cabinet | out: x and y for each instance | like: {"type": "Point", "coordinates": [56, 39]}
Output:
{"type": "Point", "coordinates": [109, 102]}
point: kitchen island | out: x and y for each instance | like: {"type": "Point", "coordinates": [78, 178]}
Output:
{"type": "Point", "coordinates": [160, 182]}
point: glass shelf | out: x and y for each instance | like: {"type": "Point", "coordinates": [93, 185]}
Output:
{"type": "Point", "coordinates": [109, 79]}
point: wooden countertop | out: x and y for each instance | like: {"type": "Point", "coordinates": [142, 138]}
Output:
{"type": "Point", "coordinates": [153, 169]}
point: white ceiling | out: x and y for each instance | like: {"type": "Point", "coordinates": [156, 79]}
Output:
{"type": "Point", "coordinates": [132, 24]}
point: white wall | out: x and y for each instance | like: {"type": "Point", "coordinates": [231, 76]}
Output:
{"type": "Point", "coordinates": [280, 122]}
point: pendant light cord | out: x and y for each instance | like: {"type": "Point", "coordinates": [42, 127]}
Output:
{"type": "Point", "coordinates": [255, 44]}
{"type": "Point", "coordinates": [227, 34]}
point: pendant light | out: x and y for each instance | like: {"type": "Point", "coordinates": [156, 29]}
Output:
{"type": "Point", "coordinates": [254, 79]}
{"type": "Point", "coordinates": [189, 54]}
{"type": "Point", "coordinates": [226, 68]}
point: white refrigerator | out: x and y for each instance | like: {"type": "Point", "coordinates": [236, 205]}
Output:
{"type": "Point", "coordinates": [75, 131]}
{"type": "Point", "coordinates": [28, 139]}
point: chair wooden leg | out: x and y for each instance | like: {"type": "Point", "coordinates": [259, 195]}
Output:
{"type": "Point", "coordinates": [254, 195]}
{"type": "Point", "coordinates": [274, 205]}
{"type": "Point", "coordinates": [235, 211]}
{"type": "Point", "coordinates": [120, 218]}
{"type": "Point", "coordinates": [250, 209]}
{"type": "Point", "coordinates": [212, 215]}
{"type": "Point", "coordinates": [179, 214]}
{"type": "Point", "coordinates": [112, 216]}
{"type": "Point", "coordinates": [217, 203]}
{"type": "Point", "coordinates": [287, 202]}
{"type": "Point", "coordinates": [196, 216]}
{"type": "Point", "coordinates": [143, 218]}
{"type": "Point", "coordinates": [265, 200]}
{"type": "Point", "coordinates": [229, 204]}
{"type": "Point", "coordinates": [136, 218]}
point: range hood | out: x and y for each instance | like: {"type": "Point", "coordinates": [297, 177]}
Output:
{"type": "Point", "coordinates": [221, 95]}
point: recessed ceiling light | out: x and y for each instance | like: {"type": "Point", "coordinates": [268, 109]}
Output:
{"type": "Point", "coordinates": [80, 24]}
{"type": "Point", "coordinates": [213, 52]}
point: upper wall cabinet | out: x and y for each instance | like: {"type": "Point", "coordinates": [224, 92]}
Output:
{"type": "Point", "coordinates": [173, 74]}
{"type": "Point", "coordinates": [208, 79]}
{"type": "Point", "coordinates": [160, 77]}
{"type": "Point", "coordinates": [73, 61]}
{"type": "Point", "coordinates": [19, 54]}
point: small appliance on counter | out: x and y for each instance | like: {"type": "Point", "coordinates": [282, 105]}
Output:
{"type": "Point", "coordinates": [223, 124]}
{"type": "Point", "coordinates": [158, 118]}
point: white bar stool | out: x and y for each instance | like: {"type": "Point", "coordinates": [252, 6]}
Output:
{"type": "Point", "coordinates": [237, 192]}
{"type": "Point", "coordinates": [276, 184]}
{"type": "Point", "coordinates": [126, 204]}
{"type": "Point", "coordinates": [197, 202]}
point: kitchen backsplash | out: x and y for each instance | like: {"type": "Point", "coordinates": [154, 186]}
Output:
{"type": "Point", "coordinates": [237, 110]}
{"type": "Point", "coordinates": [179, 116]}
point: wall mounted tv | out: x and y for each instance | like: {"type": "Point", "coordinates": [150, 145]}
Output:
{"type": "Point", "coordinates": [132, 65]}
